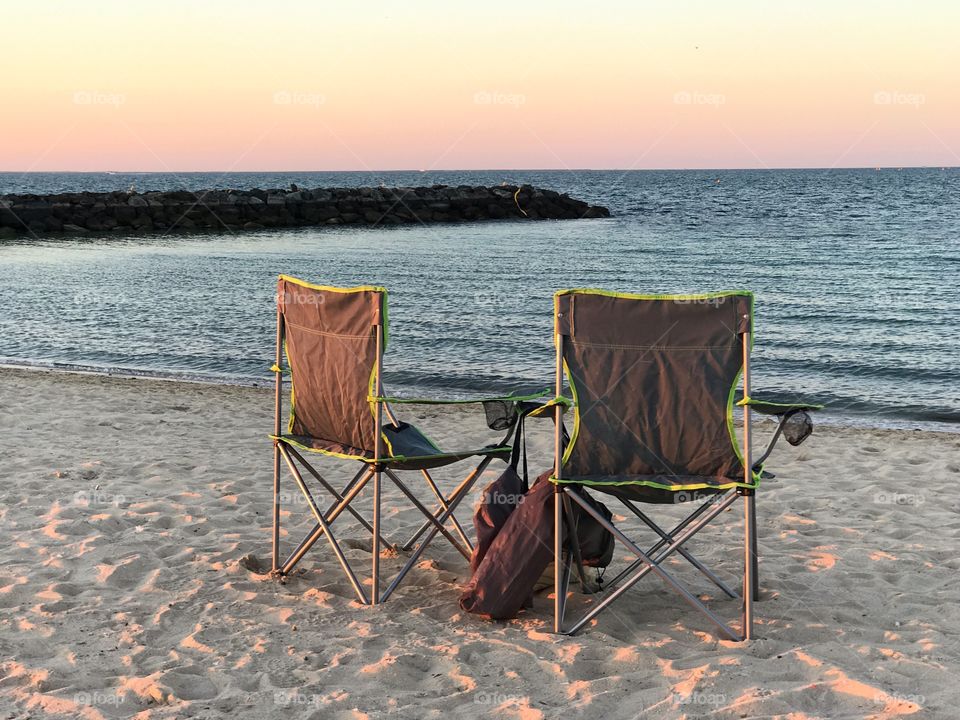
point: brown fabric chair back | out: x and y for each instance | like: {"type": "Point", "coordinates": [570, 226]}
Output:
{"type": "Point", "coordinates": [653, 378]}
{"type": "Point", "coordinates": [331, 345]}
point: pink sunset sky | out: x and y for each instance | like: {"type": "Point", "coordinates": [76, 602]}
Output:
{"type": "Point", "coordinates": [217, 86]}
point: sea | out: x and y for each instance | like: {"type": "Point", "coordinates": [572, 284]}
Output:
{"type": "Point", "coordinates": [856, 275]}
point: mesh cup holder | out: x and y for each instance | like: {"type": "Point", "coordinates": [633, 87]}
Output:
{"type": "Point", "coordinates": [798, 427]}
{"type": "Point", "coordinates": [500, 413]}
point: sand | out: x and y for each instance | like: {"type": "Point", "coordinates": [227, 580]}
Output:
{"type": "Point", "coordinates": [129, 506]}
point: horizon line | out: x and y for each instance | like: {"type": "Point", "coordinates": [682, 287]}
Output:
{"type": "Point", "coordinates": [438, 170]}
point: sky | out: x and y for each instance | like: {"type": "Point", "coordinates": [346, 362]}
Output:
{"type": "Point", "coordinates": [287, 85]}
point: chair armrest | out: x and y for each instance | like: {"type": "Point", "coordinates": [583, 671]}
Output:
{"type": "Point", "coordinates": [502, 411]}
{"type": "Point", "coordinates": [767, 407]}
{"type": "Point", "coordinates": [468, 401]}
{"type": "Point", "coordinates": [793, 422]}
{"type": "Point", "coordinates": [544, 409]}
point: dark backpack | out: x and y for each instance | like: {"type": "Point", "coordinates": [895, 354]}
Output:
{"type": "Point", "coordinates": [515, 538]}
{"type": "Point", "coordinates": [515, 560]}
{"type": "Point", "coordinates": [502, 495]}
{"type": "Point", "coordinates": [596, 542]}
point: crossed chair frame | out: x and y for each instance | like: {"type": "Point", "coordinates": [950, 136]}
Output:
{"type": "Point", "coordinates": [670, 542]}
{"type": "Point", "coordinates": [372, 469]}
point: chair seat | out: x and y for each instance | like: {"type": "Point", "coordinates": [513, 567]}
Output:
{"type": "Point", "coordinates": [408, 449]}
{"type": "Point", "coordinates": [662, 489]}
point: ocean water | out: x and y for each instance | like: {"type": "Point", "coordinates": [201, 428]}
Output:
{"type": "Point", "coordinates": [855, 272]}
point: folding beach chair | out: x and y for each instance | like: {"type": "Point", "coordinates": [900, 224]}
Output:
{"type": "Point", "coordinates": [652, 379]}
{"type": "Point", "coordinates": [334, 340]}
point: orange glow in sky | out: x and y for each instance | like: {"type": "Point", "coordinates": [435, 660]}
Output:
{"type": "Point", "coordinates": [217, 86]}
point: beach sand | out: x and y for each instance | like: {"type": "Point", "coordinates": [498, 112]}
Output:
{"type": "Point", "coordinates": [128, 506]}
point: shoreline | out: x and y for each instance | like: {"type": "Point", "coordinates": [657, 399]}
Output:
{"type": "Point", "coordinates": [822, 418]}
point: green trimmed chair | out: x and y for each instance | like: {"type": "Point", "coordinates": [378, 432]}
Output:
{"type": "Point", "coordinates": [652, 382]}
{"type": "Point", "coordinates": [334, 340]}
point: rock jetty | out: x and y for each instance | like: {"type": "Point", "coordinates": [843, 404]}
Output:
{"type": "Point", "coordinates": [235, 210]}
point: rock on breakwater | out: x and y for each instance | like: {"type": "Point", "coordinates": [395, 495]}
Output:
{"type": "Point", "coordinates": [256, 209]}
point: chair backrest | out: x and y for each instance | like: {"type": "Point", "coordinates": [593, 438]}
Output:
{"type": "Point", "coordinates": [653, 378]}
{"type": "Point", "coordinates": [331, 346]}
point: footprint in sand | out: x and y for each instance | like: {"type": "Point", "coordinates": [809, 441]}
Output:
{"type": "Point", "coordinates": [126, 573]}
{"type": "Point", "coordinates": [357, 544]}
{"type": "Point", "coordinates": [189, 684]}
{"type": "Point", "coordinates": [252, 563]}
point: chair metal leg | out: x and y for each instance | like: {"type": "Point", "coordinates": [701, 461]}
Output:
{"type": "Point", "coordinates": [426, 526]}
{"type": "Point", "coordinates": [338, 495]}
{"type": "Point", "coordinates": [326, 528]}
{"type": "Point", "coordinates": [558, 591]}
{"type": "Point", "coordinates": [704, 507]}
{"type": "Point", "coordinates": [275, 554]}
{"type": "Point", "coordinates": [689, 557]}
{"type": "Point", "coordinates": [338, 499]}
{"type": "Point", "coordinates": [443, 506]}
{"type": "Point", "coordinates": [573, 537]}
{"type": "Point", "coordinates": [750, 588]}
{"type": "Point", "coordinates": [461, 492]}
{"type": "Point", "coordinates": [277, 408]}
{"type": "Point", "coordinates": [411, 541]}
{"type": "Point", "coordinates": [431, 518]}
{"type": "Point", "coordinates": [318, 530]}
{"type": "Point", "coordinates": [653, 565]}
{"type": "Point", "coordinates": [375, 551]}
{"type": "Point", "coordinates": [749, 543]}
{"type": "Point", "coordinates": [755, 550]}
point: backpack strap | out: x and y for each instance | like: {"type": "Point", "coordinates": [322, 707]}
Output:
{"type": "Point", "coordinates": [520, 442]}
